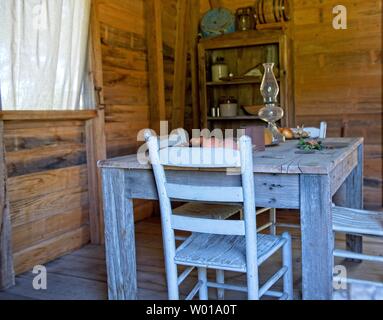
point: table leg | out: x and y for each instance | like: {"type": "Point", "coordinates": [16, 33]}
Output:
{"type": "Point", "coordinates": [119, 236]}
{"type": "Point", "coordinates": [317, 237]}
{"type": "Point", "coordinates": [350, 195]}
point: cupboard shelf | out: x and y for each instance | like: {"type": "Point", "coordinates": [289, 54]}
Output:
{"type": "Point", "coordinates": [233, 118]}
{"type": "Point", "coordinates": [242, 52]}
{"type": "Point", "coordinates": [234, 82]}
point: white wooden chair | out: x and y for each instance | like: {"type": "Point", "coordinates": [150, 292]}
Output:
{"type": "Point", "coordinates": [232, 245]}
{"type": "Point", "coordinates": [357, 222]}
{"type": "Point", "coordinates": [320, 133]}
{"type": "Point", "coordinates": [179, 138]}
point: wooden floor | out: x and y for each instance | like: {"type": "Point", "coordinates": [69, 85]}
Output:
{"type": "Point", "coordinates": [82, 276]}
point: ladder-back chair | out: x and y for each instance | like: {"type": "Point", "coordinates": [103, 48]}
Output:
{"type": "Point", "coordinates": [225, 245]}
{"type": "Point", "coordinates": [361, 223]}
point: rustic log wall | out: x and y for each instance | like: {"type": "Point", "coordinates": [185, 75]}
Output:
{"type": "Point", "coordinates": [338, 75]}
{"type": "Point", "coordinates": [126, 82]}
{"type": "Point", "coordinates": [47, 189]}
{"type": "Point", "coordinates": [125, 68]}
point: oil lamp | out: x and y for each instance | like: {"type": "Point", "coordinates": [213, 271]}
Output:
{"type": "Point", "coordinates": [271, 113]}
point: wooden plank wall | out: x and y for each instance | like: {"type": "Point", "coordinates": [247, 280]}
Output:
{"type": "Point", "coordinates": [125, 68]}
{"type": "Point", "coordinates": [48, 189]}
{"type": "Point", "coordinates": [338, 75]}
{"type": "Point", "coordinates": [126, 79]}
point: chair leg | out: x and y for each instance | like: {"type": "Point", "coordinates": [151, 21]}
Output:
{"type": "Point", "coordinates": [287, 262]}
{"type": "Point", "coordinates": [172, 279]}
{"type": "Point", "coordinates": [252, 278]}
{"type": "Point", "coordinates": [273, 220]}
{"type": "Point", "coordinates": [202, 276]}
{"type": "Point", "coordinates": [220, 277]}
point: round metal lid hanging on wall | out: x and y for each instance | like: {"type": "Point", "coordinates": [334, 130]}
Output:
{"type": "Point", "coordinates": [217, 22]}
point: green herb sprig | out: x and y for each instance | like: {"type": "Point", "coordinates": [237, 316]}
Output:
{"type": "Point", "coordinates": [310, 145]}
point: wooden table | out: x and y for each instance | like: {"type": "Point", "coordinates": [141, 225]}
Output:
{"type": "Point", "coordinates": [283, 179]}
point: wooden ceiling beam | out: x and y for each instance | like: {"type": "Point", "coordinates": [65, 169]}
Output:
{"type": "Point", "coordinates": [95, 134]}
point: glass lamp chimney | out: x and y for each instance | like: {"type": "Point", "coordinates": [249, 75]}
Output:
{"type": "Point", "coordinates": [269, 86]}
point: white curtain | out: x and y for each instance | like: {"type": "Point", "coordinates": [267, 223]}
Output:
{"type": "Point", "coordinates": [43, 54]}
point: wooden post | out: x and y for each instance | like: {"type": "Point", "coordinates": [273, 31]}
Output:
{"type": "Point", "coordinates": [96, 150]}
{"type": "Point", "coordinates": [350, 195]}
{"type": "Point", "coordinates": [180, 65]}
{"type": "Point", "coordinates": [95, 135]}
{"type": "Point", "coordinates": [7, 274]}
{"type": "Point", "coordinates": [317, 237]}
{"type": "Point", "coordinates": [156, 64]}
{"type": "Point", "coordinates": [194, 26]}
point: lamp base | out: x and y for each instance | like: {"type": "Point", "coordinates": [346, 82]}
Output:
{"type": "Point", "coordinates": [277, 136]}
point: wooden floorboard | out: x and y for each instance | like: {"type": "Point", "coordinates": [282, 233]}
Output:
{"type": "Point", "coordinates": [5, 296]}
{"type": "Point", "coordinates": [81, 275]}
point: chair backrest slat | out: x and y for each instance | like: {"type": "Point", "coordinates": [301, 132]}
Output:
{"type": "Point", "coordinates": [323, 130]}
{"type": "Point", "coordinates": [204, 194]}
{"type": "Point", "coordinates": [221, 227]}
{"type": "Point", "coordinates": [199, 157]}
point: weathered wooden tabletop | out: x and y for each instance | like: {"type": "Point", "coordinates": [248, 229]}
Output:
{"type": "Point", "coordinates": [283, 178]}
{"type": "Point", "coordinates": [284, 158]}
